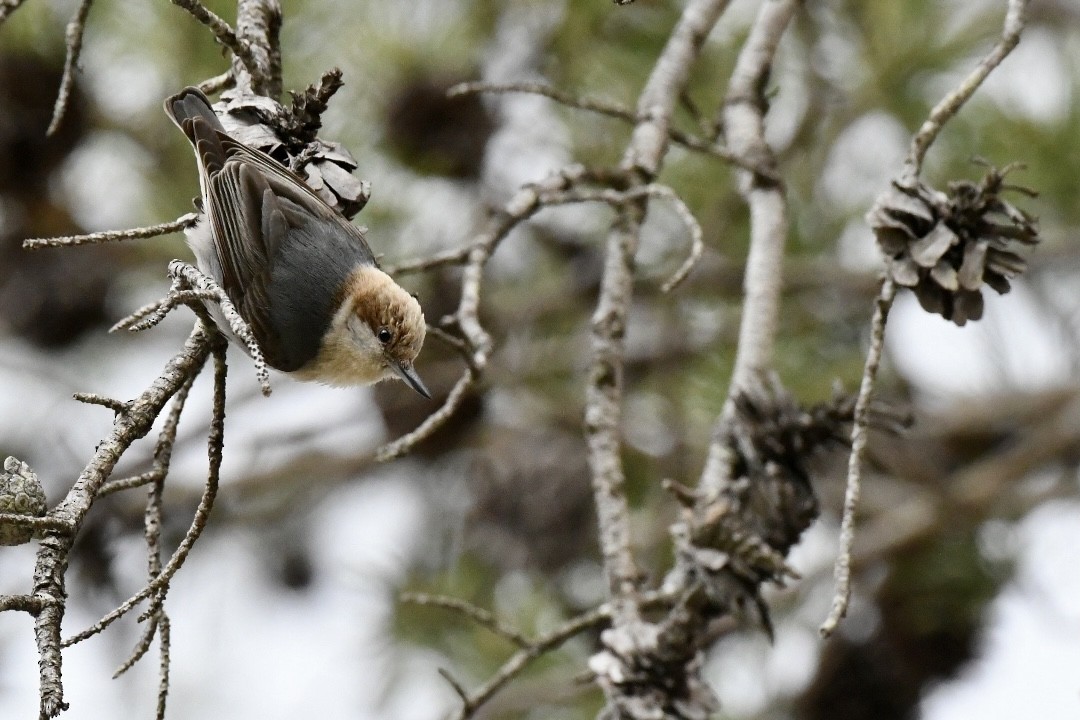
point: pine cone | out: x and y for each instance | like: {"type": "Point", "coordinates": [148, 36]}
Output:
{"type": "Point", "coordinates": [20, 494]}
{"type": "Point", "coordinates": [945, 246]}
{"type": "Point", "coordinates": [289, 137]}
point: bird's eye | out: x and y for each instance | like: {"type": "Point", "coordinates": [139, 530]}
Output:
{"type": "Point", "coordinates": [385, 335]}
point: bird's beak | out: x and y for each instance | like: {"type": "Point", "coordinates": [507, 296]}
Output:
{"type": "Point", "coordinates": [407, 373]}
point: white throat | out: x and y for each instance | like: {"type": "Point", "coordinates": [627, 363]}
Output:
{"type": "Point", "coordinates": [350, 354]}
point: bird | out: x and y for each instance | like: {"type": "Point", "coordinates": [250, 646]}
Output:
{"type": "Point", "coordinates": [301, 276]}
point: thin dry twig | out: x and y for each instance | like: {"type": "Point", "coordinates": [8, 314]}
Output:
{"type": "Point", "coordinates": [146, 639]}
{"type": "Point", "coordinates": [117, 406]}
{"type": "Point", "coordinates": [479, 615]}
{"type": "Point", "coordinates": [129, 483]}
{"type": "Point", "coordinates": [520, 660]}
{"type": "Point", "coordinates": [9, 6]}
{"type": "Point", "coordinates": [152, 518]}
{"type": "Point", "coordinates": [607, 108]}
{"type": "Point", "coordinates": [181, 223]}
{"type": "Point", "coordinates": [477, 343]}
{"type": "Point", "coordinates": [162, 451]}
{"type": "Point", "coordinates": [859, 432]}
{"type": "Point", "coordinates": [456, 685]}
{"type": "Point", "coordinates": [455, 256]}
{"type": "Point", "coordinates": [401, 446]}
{"type": "Point", "coordinates": [214, 85]}
{"type": "Point", "coordinates": [192, 287]}
{"type": "Point", "coordinates": [597, 105]}
{"type": "Point", "coordinates": [165, 659]}
{"type": "Point", "coordinates": [616, 198]}
{"type": "Point", "coordinates": [73, 37]}
{"type": "Point", "coordinates": [744, 126]}
{"type": "Point", "coordinates": [946, 109]}
{"type": "Point", "coordinates": [160, 583]}
{"type": "Point", "coordinates": [22, 603]}
{"type": "Point", "coordinates": [38, 524]}
{"type": "Point", "coordinates": [222, 31]}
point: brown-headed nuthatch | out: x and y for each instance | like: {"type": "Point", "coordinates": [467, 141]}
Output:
{"type": "Point", "coordinates": [300, 275]}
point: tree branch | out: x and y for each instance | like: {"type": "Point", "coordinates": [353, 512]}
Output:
{"type": "Point", "coordinates": [9, 6]}
{"type": "Point", "coordinates": [908, 177]}
{"type": "Point", "coordinates": [642, 160]}
{"type": "Point", "coordinates": [181, 223]}
{"type": "Point", "coordinates": [948, 106]}
{"type": "Point", "coordinates": [859, 432]}
{"type": "Point", "coordinates": [73, 37]}
{"type": "Point", "coordinates": [52, 557]}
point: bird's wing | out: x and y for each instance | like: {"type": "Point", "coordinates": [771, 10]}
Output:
{"type": "Point", "coordinates": [275, 237]}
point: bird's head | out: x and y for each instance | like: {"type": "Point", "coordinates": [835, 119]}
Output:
{"type": "Point", "coordinates": [387, 325]}
{"type": "Point", "coordinates": [376, 334]}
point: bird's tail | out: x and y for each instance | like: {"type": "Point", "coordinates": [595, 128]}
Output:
{"type": "Point", "coordinates": [190, 110]}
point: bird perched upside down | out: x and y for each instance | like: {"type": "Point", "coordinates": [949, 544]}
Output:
{"type": "Point", "coordinates": [300, 275]}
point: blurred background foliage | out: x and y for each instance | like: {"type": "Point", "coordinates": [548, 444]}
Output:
{"type": "Point", "coordinates": [506, 512]}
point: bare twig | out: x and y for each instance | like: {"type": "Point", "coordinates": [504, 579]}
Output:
{"type": "Point", "coordinates": [617, 198]}
{"type": "Point", "coordinates": [57, 525]}
{"type": "Point", "coordinates": [842, 569]}
{"type": "Point", "coordinates": [117, 406]}
{"type": "Point", "coordinates": [9, 6]}
{"type": "Point", "coordinates": [596, 105]}
{"type": "Point", "coordinates": [708, 128]}
{"type": "Point", "coordinates": [456, 256]}
{"type": "Point", "coordinates": [216, 84]}
{"type": "Point", "coordinates": [520, 660]}
{"type": "Point", "coordinates": [744, 126]}
{"type": "Point", "coordinates": [161, 581]}
{"type": "Point", "coordinates": [743, 117]}
{"type": "Point", "coordinates": [23, 603]}
{"type": "Point", "coordinates": [73, 37]}
{"type": "Point", "coordinates": [434, 421]}
{"type": "Point", "coordinates": [181, 223]}
{"type": "Point", "coordinates": [191, 287]}
{"type": "Point", "coordinates": [1015, 19]}
{"type": "Point", "coordinates": [944, 111]}
{"type": "Point", "coordinates": [457, 686]}
{"type": "Point", "coordinates": [477, 614]}
{"type": "Point", "coordinates": [224, 34]}
{"type": "Point", "coordinates": [152, 520]}
{"type": "Point", "coordinates": [527, 201]}
{"type": "Point", "coordinates": [129, 483]}
{"type": "Point", "coordinates": [140, 649]}
{"type": "Point", "coordinates": [165, 655]}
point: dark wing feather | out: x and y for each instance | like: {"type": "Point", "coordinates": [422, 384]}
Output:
{"type": "Point", "coordinates": [239, 203]}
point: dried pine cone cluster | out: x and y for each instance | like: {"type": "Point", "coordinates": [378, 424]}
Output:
{"type": "Point", "coordinates": [771, 443]}
{"type": "Point", "coordinates": [945, 246]}
{"type": "Point", "coordinates": [735, 540]}
{"type": "Point", "coordinates": [289, 136]}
